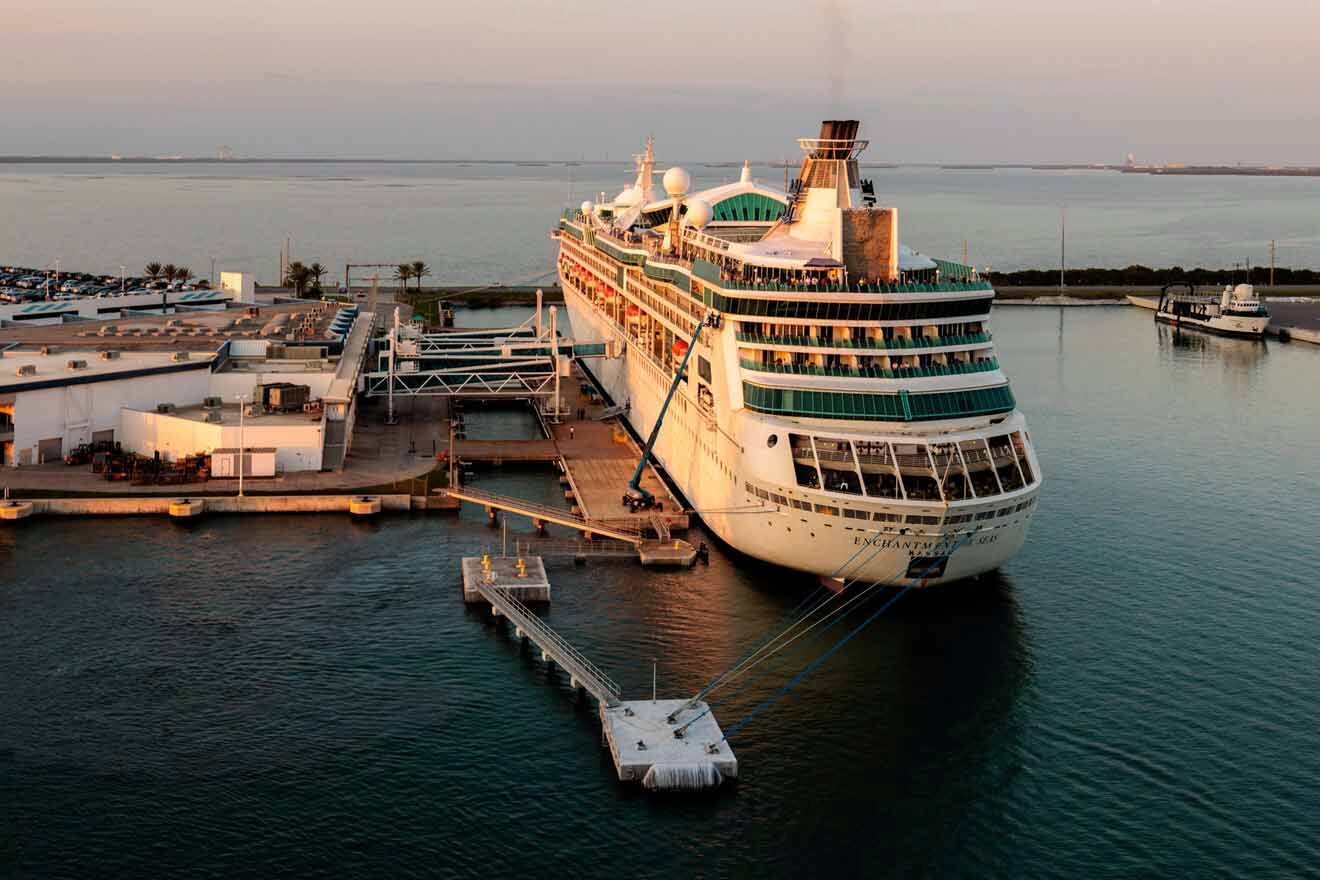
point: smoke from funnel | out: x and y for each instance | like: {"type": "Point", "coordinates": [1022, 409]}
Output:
{"type": "Point", "coordinates": [833, 18]}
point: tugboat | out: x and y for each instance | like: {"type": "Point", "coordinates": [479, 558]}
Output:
{"type": "Point", "coordinates": [1236, 312]}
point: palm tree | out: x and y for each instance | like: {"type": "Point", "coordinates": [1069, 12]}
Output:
{"type": "Point", "coordinates": [419, 271]}
{"type": "Point", "coordinates": [402, 273]}
{"type": "Point", "coordinates": [169, 271]}
{"type": "Point", "coordinates": [152, 271]}
{"type": "Point", "coordinates": [296, 275]}
{"type": "Point", "coordinates": [183, 274]}
{"type": "Point", "coordinates": [317, 272]}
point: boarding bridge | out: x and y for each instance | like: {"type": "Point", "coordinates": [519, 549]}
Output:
{"type": "Point", "coordinates": [506, 362]}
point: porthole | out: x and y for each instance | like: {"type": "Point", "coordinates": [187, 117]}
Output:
{"type": "Point", "coordinates": [771, 441]}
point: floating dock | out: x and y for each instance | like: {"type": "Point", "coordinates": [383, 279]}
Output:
{"type": "Point", "coordinates": [666, 745]}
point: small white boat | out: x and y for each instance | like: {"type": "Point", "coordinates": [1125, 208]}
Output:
{"type": "Point", "coordinates": [1235, 312]}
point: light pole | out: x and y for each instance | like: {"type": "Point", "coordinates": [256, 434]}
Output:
{"type": "Point", "coordinates": [121, 278]}
{"type": "Point", "coordinates": [241, 399]}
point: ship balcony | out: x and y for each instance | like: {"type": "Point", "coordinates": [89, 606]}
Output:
{"type": "Point", "coordinates": [897, 343]}
{"type": "Point", "coordinates": [894, 370]}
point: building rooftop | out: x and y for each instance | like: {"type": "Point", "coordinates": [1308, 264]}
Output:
{"type": "Point", "coordinates": [200, 330]}
{"type": "Point", "coordinates": [53, 370]}
{"type": "Point", "coordinates": [228, 416]}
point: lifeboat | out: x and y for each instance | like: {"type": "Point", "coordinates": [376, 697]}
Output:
{"type": "Point", "coordinates": [634, 313]}
{"type": "Point", "coordinates": [680, 347]}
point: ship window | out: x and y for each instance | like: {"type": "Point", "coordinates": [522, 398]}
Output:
{"type": "Point", "coordinates": [827, 510]}
{"type": "Point", "coordinates": [772, 441]}
{"type": "Point", "coordinates": [703, 368]}
{"type": "Point", "coordinates": [985, 514]}
{"type": "Point", "coordinates": [880, 485]}
{"type": "Point", "coordinates": [879, 516]}
{"type": "Point", "coordinates": [800, 505]}
{"type": "Point", "coordinates": [841, 481]}
{"type": "Point", "coordinates": [806, 475]}
{"type": "Point", "coordinates": [778, 499]}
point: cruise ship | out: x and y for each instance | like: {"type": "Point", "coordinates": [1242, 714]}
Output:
{"type": "Point", "coordinates": [842, 411]}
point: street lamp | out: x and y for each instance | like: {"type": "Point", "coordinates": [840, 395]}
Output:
{"type": "Point", "coordinates": [121, 278]}
{"type": "Point", "coordinates": [241, 399]}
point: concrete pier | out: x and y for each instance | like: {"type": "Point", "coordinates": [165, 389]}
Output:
{"type": "Point", "coordinates": [142, 505]}
{"type": "Point", "coordinates": [642, 743]}
{"type": "Point", "coordinates": [523, 577]}
{"type": "Point", "coordinates": [641, 737]}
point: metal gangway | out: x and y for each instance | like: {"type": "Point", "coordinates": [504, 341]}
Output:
{"type": "Point", "coordinates": [582, 672]}
{"type": "Point", "coordinates": [543, 513]}
{"type": "Point", "coordinates": [522, 362]}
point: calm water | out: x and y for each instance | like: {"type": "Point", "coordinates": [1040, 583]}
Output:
{"type": "Point", "coordinates": [488, 222]}
{"type": "Point", "coordinates": [1134, 695]}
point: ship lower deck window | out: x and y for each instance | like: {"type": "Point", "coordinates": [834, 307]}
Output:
{"type": "Point", "coordinates": [827, 510]}
{"type": "Point", "coordinates": [923, 520]}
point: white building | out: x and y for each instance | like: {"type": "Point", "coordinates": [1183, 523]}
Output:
{"type": "Point", "coordinates": [179, 402]}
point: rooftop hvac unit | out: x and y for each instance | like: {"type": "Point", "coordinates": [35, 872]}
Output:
{"type": "Point", "coordinates": [179, 356]}
{"type": "Point", "coordinates": [214, 416]}
{"type": "Point", "coordinates": [109, 355]}
{"type": "Point", "coordinates": [287, 397]}
{"type": "Point", "coordinates": [212, 402]}
{"type": "Point", "coordinates": [164, 408]}
{"type": "Point", "coordinates": [76, 365]}
{"type": "Point", "coordinates": [251, 411]}
{"type": "Point", "coordinates": [26, 370]}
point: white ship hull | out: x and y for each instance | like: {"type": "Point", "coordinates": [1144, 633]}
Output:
{"type": "Point", "coordinates": [1224, 325]}
{"type": "Point", "coordinates": [713, 465]}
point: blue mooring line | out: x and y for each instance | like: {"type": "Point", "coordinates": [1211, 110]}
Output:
{"type": "Point", "coordinates": [774, 631]}
{"type": "Point", "coordinates": [823, 657]}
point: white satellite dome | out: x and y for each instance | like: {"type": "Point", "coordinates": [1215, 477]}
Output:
{"type": "Point", "coordinates": [587, 208]}
{"type": "Point", "coordinates": [699, 213]}
{"type": "Point", "coordinates": [677, 182]}
{"type": "Point", "coordinates": [629, 197]}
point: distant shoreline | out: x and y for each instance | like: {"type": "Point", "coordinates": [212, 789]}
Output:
{"type": "Point", "coordinates": [1152, 170]}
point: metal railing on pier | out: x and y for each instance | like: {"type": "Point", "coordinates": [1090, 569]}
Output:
{"type": "Point", "coordinates": [555, 646]}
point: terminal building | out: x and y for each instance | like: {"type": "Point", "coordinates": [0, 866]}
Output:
{"type": "Point", "coordinates": [187, 382]}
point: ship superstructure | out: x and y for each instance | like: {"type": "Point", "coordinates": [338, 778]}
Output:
{"type": "Point", "coordinates": [843, 412]}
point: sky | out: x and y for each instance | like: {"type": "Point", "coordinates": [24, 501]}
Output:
{"type": "Point", "coordinates": [931, 80]}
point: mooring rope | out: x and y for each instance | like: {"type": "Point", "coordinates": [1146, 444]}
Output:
{"type": "Point", "coordinates": [747, 665]}
{"type": "Point", "coordinates": [742, 722]}
{"type": "Point", "coordinates": [771, 633]}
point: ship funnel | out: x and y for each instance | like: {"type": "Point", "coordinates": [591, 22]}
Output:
{"type": "Point", "coordinates": [837, 139]}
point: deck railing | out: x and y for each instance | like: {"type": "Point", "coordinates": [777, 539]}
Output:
{"type": "Point", "coordinates": [932, 370]}
{"type": "Point", "coordinates": [897, 343]}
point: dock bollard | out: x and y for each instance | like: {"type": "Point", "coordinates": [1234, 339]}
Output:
{"type": "Point", "coordinates": [186, 508]}
{"type": "Point", "coordinates": [364, 505]}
